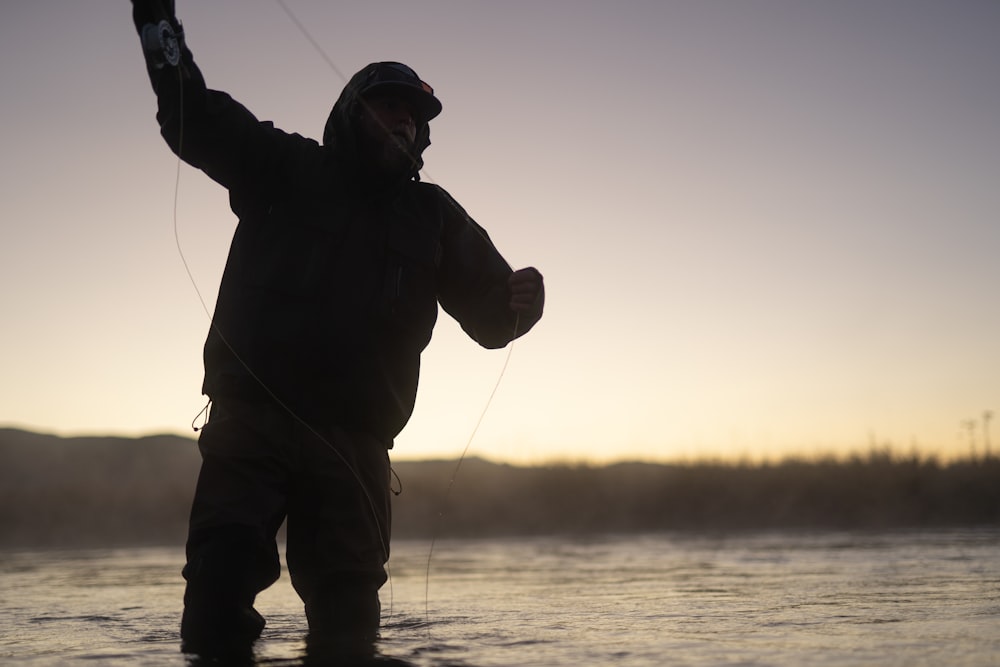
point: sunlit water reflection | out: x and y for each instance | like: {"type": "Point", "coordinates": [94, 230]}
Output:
{"type": "Point", "coordinates": [776, 599]}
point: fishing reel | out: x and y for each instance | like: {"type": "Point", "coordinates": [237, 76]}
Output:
{"type": "Point", "coordinates": [162, 43]}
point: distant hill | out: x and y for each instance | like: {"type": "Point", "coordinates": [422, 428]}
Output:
{"type": "Point", "coordinates": [94, 490]}
{"type": "Point", "coordinates": [106, 491]}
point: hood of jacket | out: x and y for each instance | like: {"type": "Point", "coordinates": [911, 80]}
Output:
{"type": "Point", "coordinates": [342, 126]}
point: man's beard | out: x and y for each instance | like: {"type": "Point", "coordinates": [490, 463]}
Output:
{"type": "Point", "coordinates": [393, 156]}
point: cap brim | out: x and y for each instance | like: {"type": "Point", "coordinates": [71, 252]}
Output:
{"type": "Point", "coordinates": [425, 105]}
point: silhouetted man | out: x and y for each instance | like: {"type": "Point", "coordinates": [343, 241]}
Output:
{"type": "Point", "coordinates": [329, 295]}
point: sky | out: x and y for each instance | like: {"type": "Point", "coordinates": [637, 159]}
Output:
{"type": "Point", "coordinates": [767, 228]}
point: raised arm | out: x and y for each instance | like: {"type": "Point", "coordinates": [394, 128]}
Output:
{"type": "Point", "coordinates": [207, 128]}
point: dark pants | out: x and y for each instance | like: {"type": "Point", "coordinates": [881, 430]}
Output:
{"type": "Point", "coordinates": [259, 466]}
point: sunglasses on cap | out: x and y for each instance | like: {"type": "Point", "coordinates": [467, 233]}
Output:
{"type": "Point", "coordinates": [390, 72]}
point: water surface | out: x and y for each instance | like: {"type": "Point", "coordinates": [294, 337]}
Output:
{"type": "Point", "coordinates": [773, 599]}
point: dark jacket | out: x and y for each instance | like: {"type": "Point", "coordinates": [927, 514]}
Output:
{"type": "Point", "coordinates": [333, 280]}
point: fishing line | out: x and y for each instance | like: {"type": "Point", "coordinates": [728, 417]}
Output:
{"type": "Point", "coordinates": [284, 406]}
{"type": "Point", "coordinates": [454, 475]}
{"type": "Point", "coordinates": [329, 61]}
{"type": "Point", "coordinates": [309, 38]}
{"type": "Point", "coordinates": [510, 348]}
{"type": "Point", "coordinates": [345, 79]}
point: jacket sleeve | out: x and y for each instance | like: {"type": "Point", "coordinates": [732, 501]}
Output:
{"type": "Point", "coordinates": [472, 281]}
{"type": "Point", "coordinates": [211, 131]}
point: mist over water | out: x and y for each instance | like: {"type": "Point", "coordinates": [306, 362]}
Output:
{"type": "Point", "coordinates": [99, 492]}
{"type": "Point", "coordinates": [766, 599]}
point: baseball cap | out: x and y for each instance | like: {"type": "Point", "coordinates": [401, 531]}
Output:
{"type": "Point", "coordinates": [401, 79]}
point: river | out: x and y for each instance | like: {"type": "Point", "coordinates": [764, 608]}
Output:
{"type": "Point", "coordinates": [756, 599]}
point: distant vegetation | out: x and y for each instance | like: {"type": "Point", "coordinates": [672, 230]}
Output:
{"type": "Point", "coordinates": [117, 491]}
